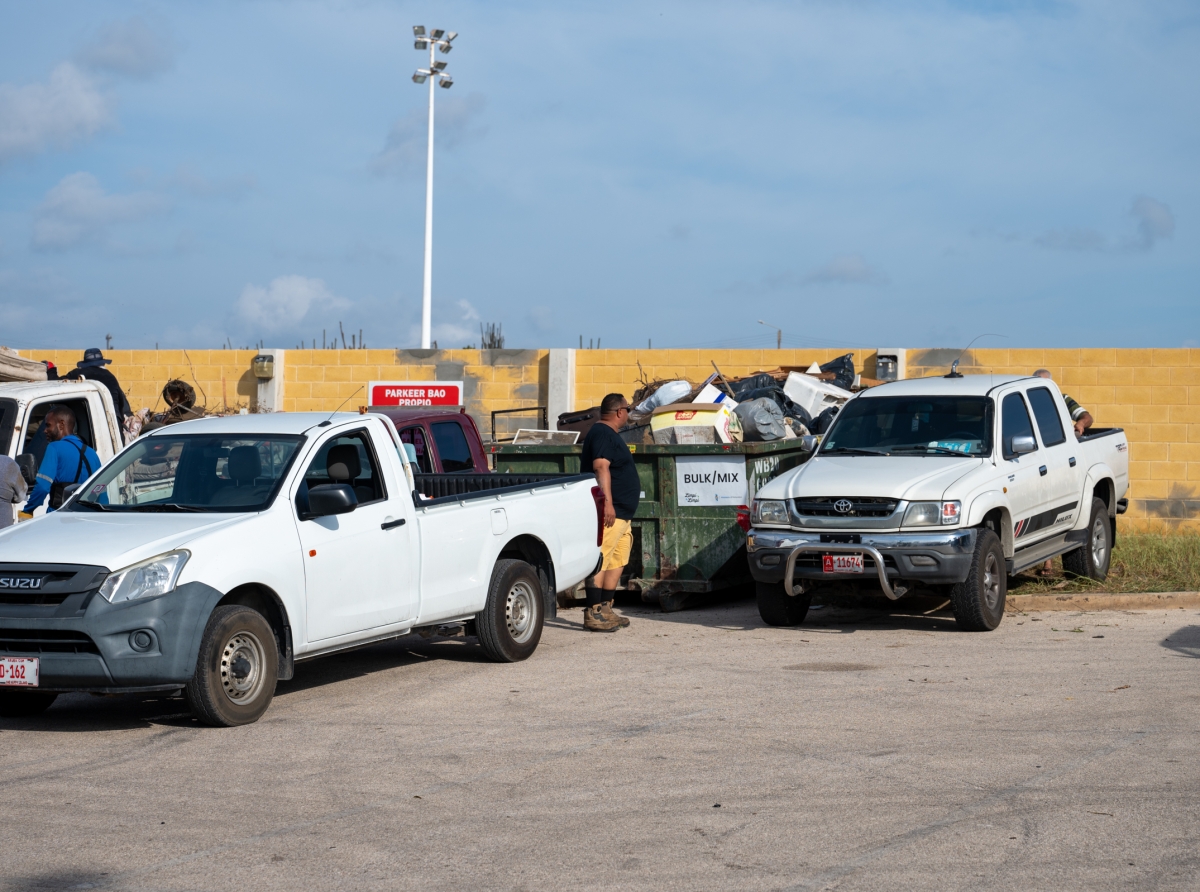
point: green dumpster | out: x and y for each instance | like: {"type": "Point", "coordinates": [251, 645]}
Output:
{"type": "Point", "coordinates": [687, 539]}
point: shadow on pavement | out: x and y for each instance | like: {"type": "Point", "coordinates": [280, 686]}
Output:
{"type": "Point", "coordinates": [74, 713]}
{"type": "Point", "coordinates": [1185, 642]}
{"type": "Point", "coordinates": [56, 880]}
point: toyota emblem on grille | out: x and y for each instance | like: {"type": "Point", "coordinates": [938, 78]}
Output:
{"type": "Point", "coordinates": [843, 506]}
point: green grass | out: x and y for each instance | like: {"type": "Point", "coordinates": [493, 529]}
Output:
{"type": "Point", "coordinates": [1141, 562]}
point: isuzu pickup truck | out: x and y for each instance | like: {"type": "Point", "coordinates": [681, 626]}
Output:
{"type": "Point", "coordinates": [953, 482]}
{"type": "Point", "coordinates": [212, 555]}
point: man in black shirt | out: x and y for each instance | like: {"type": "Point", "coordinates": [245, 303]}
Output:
{"type": "Point", "coordinates": [93, 368]}
{"type": "Point", "coordinates": [605, 453]}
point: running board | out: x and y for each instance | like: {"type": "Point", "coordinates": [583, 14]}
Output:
{"type": "Point", "coordinates": [1035, 554]}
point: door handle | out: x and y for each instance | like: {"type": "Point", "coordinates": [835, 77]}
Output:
{"type": "Point", "coordinates": [392, 523]}
{"type": "Point", "coordinates": [1072, 461]}
{"type": "Point", "coordinates": [1042, 470]}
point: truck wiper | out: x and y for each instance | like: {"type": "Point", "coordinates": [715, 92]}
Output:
{"type": "Point", "coordinates": [168, 507]}
{"type": "Point", "coordinates": [940, 450]}
{"type": "Point", "coordinates": [91, 506]}
{"type": "Point", "coordinates": [846, 450]}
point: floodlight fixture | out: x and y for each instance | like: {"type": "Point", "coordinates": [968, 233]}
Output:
{"type": "Point", "coordinates": [420, 44]}
{"type": "Point", "coordinates": [450, 36]}
{"type": "Point", "coordinates": [439, 65]}
{"type": "Point", "coordinates": [419, 76]}
{"type": "Point", "coordinates": [437, 33]}
{"type": "Point", "coordinates": [444, 47]}
{"type": "Point", "coordinates": [418, 30]}
{"type": "Point", "coordinates": [447, 82]}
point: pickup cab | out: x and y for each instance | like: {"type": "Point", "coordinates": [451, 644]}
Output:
{"type": "Point", "coordinates": [23, 408]}
{"type": "Point", "coordinates": [955, 483]}
{"type": "Point", "coordinates": [211, 556]}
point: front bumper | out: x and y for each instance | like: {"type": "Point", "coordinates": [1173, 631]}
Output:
{"type": "Point", "coordinates": [87, 644]}
{"type": "Point", "coordinates": [944, 556]}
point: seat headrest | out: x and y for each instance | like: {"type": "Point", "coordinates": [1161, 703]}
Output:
{"type": "Point", "coordinates": [244, 464]}
{"type": "Point", "coordinates": [342, 463]}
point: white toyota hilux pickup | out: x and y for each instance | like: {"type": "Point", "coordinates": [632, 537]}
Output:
{"type": "Point", "coordinates": [212, 555]}
{"type": "Point", "coordinates": [954, 482]}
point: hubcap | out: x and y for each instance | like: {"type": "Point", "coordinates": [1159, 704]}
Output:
{"type": "Point", "coordinates": [519, 612]}
{"type": "Point", "coordinates": [242, 662]}
{"type": "Point", "coordinates": [1099, 543]}
{"type": "Point", "coordinates": [991, 581]}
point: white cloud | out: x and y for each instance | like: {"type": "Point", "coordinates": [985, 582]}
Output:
{"type": "Point", "coordinates": [64, 110]}
{"type": "Point", "coordinates": [850, 269]}
{"type": "Point", "coordinates": [1155, 222]}
{"type": "Point", "coordinates": [193, 182]}
{"type": "Point", "coordinates": [285, 302]}
{"type": "Point", "coordinates": [79, 211]}
{"type": "Point", "coordinates": [405, 149]}
{"type": "Point", "coordinates": [132, 48]}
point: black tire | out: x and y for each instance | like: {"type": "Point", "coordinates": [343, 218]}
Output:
{"type": "Point", "coordinates": [777, 607]}
{"type": "Point", "coordinates": [510, 624]}
{"type": "Point", "coordinates": [978, 602]}
{"type": "Point", "coordinates": [21, 704]}
{"type": "Point", "coordinates": [1093, 557]}
{"type": "Point", "coordinates": [217, 694]}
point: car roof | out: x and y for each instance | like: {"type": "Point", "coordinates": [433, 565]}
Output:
{"type": "Point", "coordinates": [967, 385]}
{"type": "Point", "coordinates": [30, 390]}
{"type": "Point", "coordinates": [268, 423]}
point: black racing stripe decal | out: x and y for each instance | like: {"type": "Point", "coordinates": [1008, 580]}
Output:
{"type": "Point", "coordinates": [1037, 522]}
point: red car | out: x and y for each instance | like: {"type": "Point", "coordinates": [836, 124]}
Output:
{"type": "Point", "coordinates": [446, 441]}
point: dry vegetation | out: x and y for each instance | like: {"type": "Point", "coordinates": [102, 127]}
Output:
{"type": "Point", "coordinates": [1141, 562]}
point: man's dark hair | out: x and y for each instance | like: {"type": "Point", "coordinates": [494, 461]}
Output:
{"type": "Point", "coordinates": [64, 414]}
{"type": "Point", "coordinates": [611, 403]}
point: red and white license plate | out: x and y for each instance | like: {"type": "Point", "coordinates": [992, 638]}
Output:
{"type": "Point", "coordinates": [842, 563]}
{"type": "Point", "coordinates": [20, 671]}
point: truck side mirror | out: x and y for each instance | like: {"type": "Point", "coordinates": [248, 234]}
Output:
{"type": "Point", "coordinates": [1022, 445]}
{"type": "Point", "coordinates": [331, 498]}
{"type": "Point", "coordinates": [28, 465]}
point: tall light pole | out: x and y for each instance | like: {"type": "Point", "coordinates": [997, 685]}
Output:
{"type": "Point", "coordinates": [778, 333]}
{"type": "Point", "coordinates": [437, 39]}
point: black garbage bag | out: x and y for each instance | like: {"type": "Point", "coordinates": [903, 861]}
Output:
{"type": "Point", "coordinates": [762, 420]}
{"type": "Point", "coordinates": [843, 368]}
{"type": "Point", "coordinates": [823, 421]}
{"type": "Point", "coordinates": [743, 388]}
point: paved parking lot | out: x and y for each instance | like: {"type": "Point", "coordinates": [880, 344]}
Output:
{"type": "Point", "coordinates": [698, 750]}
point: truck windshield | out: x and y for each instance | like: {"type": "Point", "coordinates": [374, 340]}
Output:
{"type": "Point", "coordinates": [902, 425]}
{"type": "Point", "coordinates": [192, 473]}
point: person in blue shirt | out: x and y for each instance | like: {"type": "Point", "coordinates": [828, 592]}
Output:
{"type": "Point", "coordinates": [67, 460]}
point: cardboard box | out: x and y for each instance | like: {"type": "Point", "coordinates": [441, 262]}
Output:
{"type": "Point", "coordinates": [719, 416]}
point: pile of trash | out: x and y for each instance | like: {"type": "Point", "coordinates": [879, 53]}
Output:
{"type": "Point", "coordinates": [781, 404]}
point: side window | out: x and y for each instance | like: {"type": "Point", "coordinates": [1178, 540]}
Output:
{"type": "Point", "coordinates": [416, 436]}
{"type": "Point", "coordinates": [35, 425]}
{"type": "Point", "coordinates": [452, 446]}
{"type": "Point", "coordinates": [1046, 412]}
{"type": "Point", "coordinates": [1014, 422]}
{"type": "Point", "coordinates": [347, 458]}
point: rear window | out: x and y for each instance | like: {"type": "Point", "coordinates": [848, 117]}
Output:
{"type": "Point", "coordinates": [1045, 412]}
{"type": "Point", "coordinates": [452, 447]}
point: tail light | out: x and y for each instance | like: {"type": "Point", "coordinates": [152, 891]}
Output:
{"type": "Point", "coordinates": [598, 498]}
{"type": "Point", "coordinates": [743, 517]}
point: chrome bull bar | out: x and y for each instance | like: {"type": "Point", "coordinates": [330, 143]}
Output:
{"type": "Point", "coordinates": [789, 569]}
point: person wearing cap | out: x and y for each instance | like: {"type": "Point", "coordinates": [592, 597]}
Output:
{"type": "Point", "coordinates": [92, 368]}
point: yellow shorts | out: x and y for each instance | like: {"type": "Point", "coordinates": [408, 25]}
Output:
{"type": "Point", "coordinates": [618, 542]}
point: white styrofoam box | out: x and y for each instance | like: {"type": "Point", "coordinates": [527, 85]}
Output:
{"type": "Point", "coordinates": [712, 394]}
{"type": "Point", "coordinates": [813, 394]}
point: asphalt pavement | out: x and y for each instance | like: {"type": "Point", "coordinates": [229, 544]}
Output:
{"type": "Point", "coordinates": [698, 750]}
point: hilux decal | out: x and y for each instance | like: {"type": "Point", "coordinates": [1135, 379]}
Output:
{"type": "Point", "coordinates": [1053, 517]}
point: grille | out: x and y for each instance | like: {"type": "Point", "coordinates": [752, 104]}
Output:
{"type": "Point", "coordinates": [45, 641]}
{"type": "Point", "coordinates": [36, 596]}
{"type": "Point", "coordinates": [859, 507]}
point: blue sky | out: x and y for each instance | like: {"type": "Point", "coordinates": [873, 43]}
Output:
{"type": "Point", "coordinates": [891, 173]}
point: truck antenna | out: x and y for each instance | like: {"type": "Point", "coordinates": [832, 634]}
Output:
{"type": "Point", "coordinates": [328, 421]}
{"type": "Point", "coordinates": [954, 373]}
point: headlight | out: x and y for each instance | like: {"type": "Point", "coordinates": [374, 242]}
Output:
{"type": "Point", "coordinates": [156, 576]}
{"type": "Point", "coordinates": [928, 514]}
{"type": "Point", "coordinates": [770, 511]}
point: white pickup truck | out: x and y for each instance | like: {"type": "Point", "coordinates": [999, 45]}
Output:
{"type": "Point", "coordinates": [23, 408]}
{"type": "Point", "coordinates": [212, 555]}
{"type": "Point", "coordinates": [954, 482]}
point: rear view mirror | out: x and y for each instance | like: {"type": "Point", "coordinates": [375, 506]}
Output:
{"type": "Point", "coordinates": [331, 498]}
{"type": "Point", "coordinates": [28, 465]}
{"type": "Point", "coordinates": [69, 490]}
{"type": "Point", "coordinates": [1022, 445]}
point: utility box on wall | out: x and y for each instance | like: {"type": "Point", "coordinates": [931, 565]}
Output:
{"type": "Point", "coordinates": [268, 369]}
{"type": "Point", "coordinates": [890, 363]}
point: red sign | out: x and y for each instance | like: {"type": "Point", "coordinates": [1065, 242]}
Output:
{"type": "Point", "coordinates": [415, 393]}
